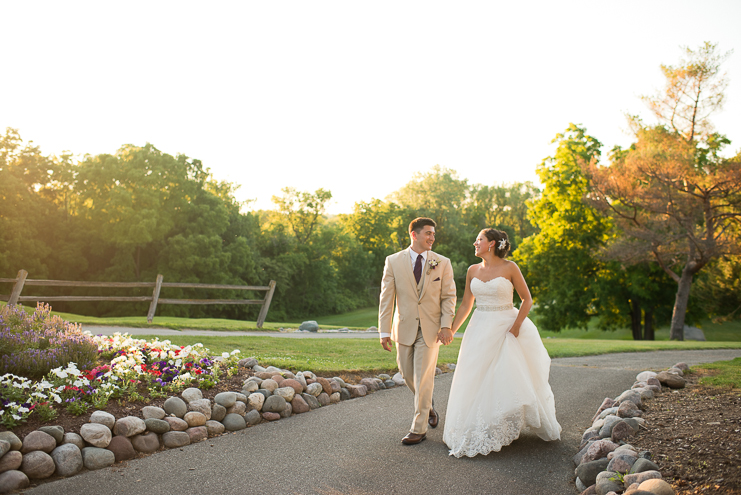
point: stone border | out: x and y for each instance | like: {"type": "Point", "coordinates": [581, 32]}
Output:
{"type": "Point", "coordinates": [269, 395]}
{"type": "Point", "coordinates": [606, 464]}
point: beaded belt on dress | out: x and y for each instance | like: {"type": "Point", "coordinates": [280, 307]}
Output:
{"type": "Point", "coordinates": [503, 307]}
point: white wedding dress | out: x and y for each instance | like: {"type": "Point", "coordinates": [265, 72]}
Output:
{"type": "Point", "coordinates": [500, 388]}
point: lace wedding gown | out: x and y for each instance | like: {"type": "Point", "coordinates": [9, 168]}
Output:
{"type": "Point", "coordinates": [500, 387]}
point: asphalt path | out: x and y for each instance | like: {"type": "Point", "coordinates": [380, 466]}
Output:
{"type": "Point", "coordinates": [354, 447]}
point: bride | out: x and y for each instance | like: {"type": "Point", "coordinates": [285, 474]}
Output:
{"type": "Point", "coordinates": [500, 387]}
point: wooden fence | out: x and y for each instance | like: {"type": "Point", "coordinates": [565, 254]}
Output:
{"type": "Point", "coordinates": [21, 281]}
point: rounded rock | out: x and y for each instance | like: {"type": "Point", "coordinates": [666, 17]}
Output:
{"type": "Point", "coordinates": [256, 401]}
{"type": "Point", "coordinates": [74, 439]}
{"type": "Point", "coordinates": [177, 424]}
{"type": "Point", "coordinates": [153, 412]}
{"type": "Point", "coordinates": [96, 434]}
{"type": "Point", "coordinates": [11, 461]}
{"type": "Point", "coordinates": [122, 448]}
{"type": "Point", "coordinates": [97, 458]}
{"type": "Point", "coordinates": [286, 413]}
{"type": "Point", "coordinates": [249, 387]}
{"type": "Point", "coordinates": [656, 487]}
{"type": "Point", "coordinates": [12, 439]}
{"type": "Point", "coordinates": [129, 426]}
{"type": "Point", "coordinates": [103, 418]}
{"type": "Point", "coordinates": [620, 431]}
{"type": "Point", "coordinates": [334, 398]}
{"type": "Point", "coordinates": [214, 428]}
{"type": "Point", "coordinates": [13, 480]}
{"type": "Point", "coordinates": [269, 385]}
{"type": "Point", "coordinates": [270, 416]}
{"type": "Point", "coordinates": [190, 394]}
{"type": "Point", "coordinates": [286, 392]}
{"type": "Point", "coordinates": [247, 362]}
{"type": "Point", "coordinates": [202, 406]}
{"type": "Point", "coordinates": [314, 389]}
{"type": "Point", "coordinates": [146, 442]}
{"type": "Point", "coordinates": [159, 426]}
{"type": "Point", "coordinates": [234, 422]}
{"type": "Point", "coordinates": [274, 403]}
{"type": "Point", "coordinates": [299, 405]}
{"type": "Point", "coordinates": [37, 465]}
{"type": "Point", "coordinates": [238, 408]}
{"type": "Point", "coordinates": [295, 385]}
{"type": "Point", "coordinates": [55, 431]}
{"type": "Point", "coordinates": [252, 417]}
{"type": "Point", "coordinates": [197, 433]}
{"type": "Point", "coordinates": [226, 399]}
{"type": "Point", "coordinates": [38, 440]}
{"type": "Point", "coordinates": [323, 399]}
{"type": "Point", "coordinates": [218, 412]}
{"type": "Point", "coordinates": [326, 386]}
{"type": "Point", "coordinates": [194, 418]}
{"type": "Point", "coordinates": [175, 439]}
{"type": "Point", "coordinates": [176, 406]}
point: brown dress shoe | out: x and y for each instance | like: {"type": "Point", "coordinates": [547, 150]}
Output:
{"type": "Point", "coordinates": [413, 438]}
{"type": "Point", "coordinates": [434, 419]}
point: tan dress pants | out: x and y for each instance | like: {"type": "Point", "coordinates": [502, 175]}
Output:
{"type": "Point", "coordinates": [417, 364]}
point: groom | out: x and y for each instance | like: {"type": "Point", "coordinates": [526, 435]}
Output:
{"type": "Point", "coordinates": [420, 284]}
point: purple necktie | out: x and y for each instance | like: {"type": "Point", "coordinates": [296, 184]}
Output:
{"type": "Point", "coordinates": [418, 268]}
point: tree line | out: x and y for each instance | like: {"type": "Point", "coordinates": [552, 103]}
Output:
{"type": "Point", "coordinates": [647, 237]}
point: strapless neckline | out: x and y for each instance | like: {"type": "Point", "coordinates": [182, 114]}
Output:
{"type": "Point", "coordinates": [493, 279]}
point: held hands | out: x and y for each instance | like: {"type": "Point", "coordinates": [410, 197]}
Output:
{"type": "Point", "coordinates": [445, 336]}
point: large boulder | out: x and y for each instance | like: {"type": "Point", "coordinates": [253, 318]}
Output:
{"type": "Point", "coordinates": [38, 440]}
{"type": "Point", "coordinates": [96, 434]}
{"type": "Point", "coordinates": [309, 326]}
{"type": "Point", "coordinates": [693, 333]}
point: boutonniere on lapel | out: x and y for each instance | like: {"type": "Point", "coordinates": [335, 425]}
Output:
{"type": "Point", "coordinates": [433, 264]}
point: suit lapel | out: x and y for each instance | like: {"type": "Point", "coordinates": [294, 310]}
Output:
{"type": "Point", "coordinates": [427, 276]}
{"type": "Point", "coordinates": [407, 269]}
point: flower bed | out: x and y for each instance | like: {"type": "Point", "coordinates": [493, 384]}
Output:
{"type": "Point", "coordinates": [127, 368]}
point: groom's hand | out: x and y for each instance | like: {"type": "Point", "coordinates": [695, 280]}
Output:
{"type": "Point", "coordinates": [445, 336]}
{"type": "Point", "coordinates": [387, 344]}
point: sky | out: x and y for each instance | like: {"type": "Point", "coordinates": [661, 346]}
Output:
{"type": "Point", "coordinates": [354, 97]}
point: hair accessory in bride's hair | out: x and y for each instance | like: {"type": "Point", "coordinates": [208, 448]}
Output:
{"type": "Point", "coordinates": [502, 243]}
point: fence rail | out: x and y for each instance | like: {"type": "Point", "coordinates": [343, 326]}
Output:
{"type": "Point", "coordinates": [21, 281]}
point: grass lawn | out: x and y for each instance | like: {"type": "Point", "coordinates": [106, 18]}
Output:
{"type": "Point", "coordinates": [335, 355]}
{"type": "Point", "coordinates": [729, 374]}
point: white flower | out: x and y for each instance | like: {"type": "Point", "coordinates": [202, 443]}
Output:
{"type": "Point", "coordinates": [225, 354]}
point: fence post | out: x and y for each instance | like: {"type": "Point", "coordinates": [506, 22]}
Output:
{"type": "Point", "coordinates": [155, 298]}
{"type": "Point", "coordinates": [18, 287]}
{"type": "Point", "coordinates": [266, 304]}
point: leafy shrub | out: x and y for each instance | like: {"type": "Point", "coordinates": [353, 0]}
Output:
{"type": "Point", "coordinates": [31, 345]}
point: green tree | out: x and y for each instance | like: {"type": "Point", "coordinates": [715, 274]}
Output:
{"type": "Point", "coordinates": [559, 261]}
{"type": "Point", "coordinates": [302, 210]}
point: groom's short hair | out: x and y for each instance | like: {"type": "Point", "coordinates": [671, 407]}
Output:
{"type": "Point", "coordinates": [418, 223]}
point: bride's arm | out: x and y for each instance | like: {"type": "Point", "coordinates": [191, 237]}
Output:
{"type": "Point", "coordinates": [522, 290]}
{"type": "Point", "coordinates": [466, 303]}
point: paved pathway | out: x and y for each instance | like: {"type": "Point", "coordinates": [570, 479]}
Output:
{"type": "Point", "coordinates": [354, 447]}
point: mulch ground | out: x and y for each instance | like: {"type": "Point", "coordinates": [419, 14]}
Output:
{"type": "Point", "coordinates": [694, 435]}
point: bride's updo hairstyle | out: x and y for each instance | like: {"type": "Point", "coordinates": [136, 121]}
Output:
{"type": "Point", "coordinates": [501, 241]}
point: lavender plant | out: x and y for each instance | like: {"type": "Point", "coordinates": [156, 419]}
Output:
{"type": "Point", "coordinates": [31, 345]}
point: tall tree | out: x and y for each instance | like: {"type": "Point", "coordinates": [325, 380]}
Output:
{"type": "Point", "coordinates": [694, 90]}
{"type": "Point", "coordinates": [671, 192]}
{"type": "Point", "coordinates": [681, 212]}
{"type": "Point", "coordinates": [560, 261]}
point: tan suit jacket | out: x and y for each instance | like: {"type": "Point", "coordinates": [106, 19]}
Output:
{"type": "Point", "coordinates": [403, 308]}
